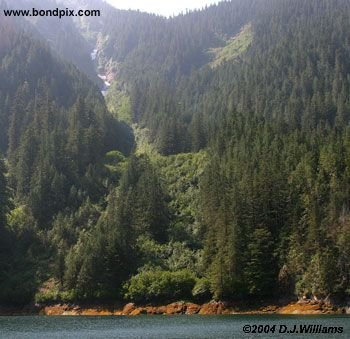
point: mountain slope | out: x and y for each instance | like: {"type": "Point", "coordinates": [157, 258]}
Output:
{"type": "Point", "coordinates": [290, 53]}
{"type": "Point", "coordinates": [257, 207]}
{"type": "Point", "coordinates": [61, 33]}
{"type": "Point", "coordinates": [56, 131]}
{"type": "Point", "coordinates": [276, 124]}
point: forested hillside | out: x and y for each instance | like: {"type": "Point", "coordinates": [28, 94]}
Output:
{"type": "Point", "coordinates": [55, 132]}
{"type": "Point", "coordinates": [60, 33]}
{"type": "Point", "coordinates": [238, 185]}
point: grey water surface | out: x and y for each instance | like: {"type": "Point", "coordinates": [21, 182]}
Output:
{"type": "Point", "coordinates": [232, 326]}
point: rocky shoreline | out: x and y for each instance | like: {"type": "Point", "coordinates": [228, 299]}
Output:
{"type": "Point", "coordinates": [303, 307]}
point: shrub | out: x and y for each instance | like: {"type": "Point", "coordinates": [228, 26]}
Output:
{"type": "Point", "coordinates": [201, 290]}
{"type": "Point", "coordinates": [160, 286]}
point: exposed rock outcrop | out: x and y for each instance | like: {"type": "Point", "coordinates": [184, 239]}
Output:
{"type": "Point", "coordinates": [179, 308]}
{"type": "Point", "coordinates": [309, 307]}
{"type": "Point", "coordinates": [128, 309]}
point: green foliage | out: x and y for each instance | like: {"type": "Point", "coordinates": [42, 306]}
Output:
{"type": "Point", "coordinates": [4, 198]}
{"type": "Point", "coordinates": [56, 138]}
{"type": "Point", "coordinates": [142, 189]}
{"type": "Point", "coordinates": [234, 47]}
{"type": "Point", "coordinates": [21, 273]}
{"type": "Point", "coordinates": [56, 144]}
{"type": "Point", "coordinates": [201, 290]}
{"type": "Point", "coordinates": [20, 258]}
{"type": "Point", "coordinates": [238, 187]}
{"type": "Point", "coordinates": [173, 256]}
{"type": "Point", "coordinates": [119, 103]}
{"type": "Point", "coordinates": [160, 286]}
{"type": "Point", "coordinates": [115, 163]}
{"type": "Point", "coordinates": [48, 293]}
{"type": "Point", "coordinates": [320, 277]}
{"type": "Point", "coordinates": [51, 292]}
{"type": "Point", "coordinates": [259, 272]}
{"type": "Point", "coordinates": [181, 174]}
{"type": "Point", "coordinates": [343, 266]}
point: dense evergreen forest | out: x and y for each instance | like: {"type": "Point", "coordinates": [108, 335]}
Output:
{"type": "Point", "coordinates": [216, 167]}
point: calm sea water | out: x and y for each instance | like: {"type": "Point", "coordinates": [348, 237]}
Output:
{"type": "Point", "coordinates": [163, 326]}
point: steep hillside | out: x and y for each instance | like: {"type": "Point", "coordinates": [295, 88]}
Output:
{"type": "Point", "coordinates": [276, 124]}
{"type": "Point", "coordinates": [55, 130]}
{"type": "Point", "coordinates": [234, 47]}
{"type": "Point", "coordinates": [285, 53]}
{"type": "Point", "coordinates": [60, 33]}
{"type": "Point", "coordinates": [238, 187]}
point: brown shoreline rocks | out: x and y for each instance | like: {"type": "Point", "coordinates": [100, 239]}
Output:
{"type": "Point", "coordinates": [178, 308]}
{"type": "Point", "coordinates": [192, 309]}
{"type": "Point", "coordinates": [309, 307]}
{"type": "Point", "coordinates": [128, 309]}
{"type": "Point", "coordinates": [213, 308]}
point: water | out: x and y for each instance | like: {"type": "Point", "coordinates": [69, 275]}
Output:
{"type": "Point", "coordinates": [106, 84]}
{"type": "Point", "coordinates": [103, 77]}
{"type": "Point", "coordinates": [93, 54]}
{"type": "Point", "coordinates": [161, 326]}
